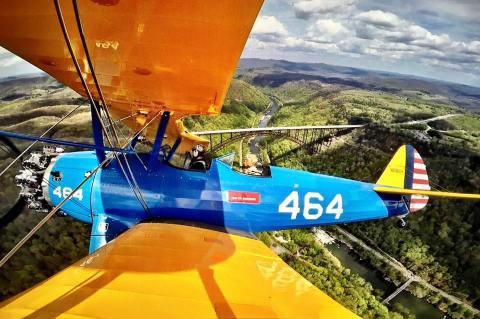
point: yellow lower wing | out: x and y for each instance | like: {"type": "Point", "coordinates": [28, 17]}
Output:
{"type": "Point", "coordinates": [176, 271]}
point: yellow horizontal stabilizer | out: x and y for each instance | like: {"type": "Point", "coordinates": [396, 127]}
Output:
{"type": "Point", "coordinates": [176, 271]}
{"type": "Point", "coordinates": [405, 191]}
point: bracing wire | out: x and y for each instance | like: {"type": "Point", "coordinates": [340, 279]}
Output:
{"type": "Point", "coordinates": [90, 97]}
{"type": "Point", "coordinates": [136, 188]}
{"type": "Point", "coordinates": [90, 65]}
{"type": "Point", "coordinates": [32, 232]}
{"type": "Point", "coordinates": [6, 150]}
{"type": "Point", "coordinates": [434, 185]}
{"type": "Point", "coordinates": [125, 118]}
{"type": "Point", "coordinates": [48, 216]}
{"type": "Point", "coordinates": [136, 154]}
{"type": "Point", "coordinates": [35, 142]}
{"type": "Point", "coordinates": [61, 20]}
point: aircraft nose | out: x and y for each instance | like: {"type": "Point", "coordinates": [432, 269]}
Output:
{"type": "Point", "coordinates": [63, 175]}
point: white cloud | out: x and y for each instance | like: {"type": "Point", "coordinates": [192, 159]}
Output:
{"type": "Point", "coordinates": [327, 27]}
{"type": "Point", "coordinates": [8, 59]}
{"type": "Point", "coordinates": [393, 33]}
{"type": "Point", "coordinates": [12, 65]}
{"type": "Point", "coordinates": [304, 9]}
{"type": "Point", "coordinates": [268, 25]}
{"type": "Point", "coordinates": [379, 18]}
{"type": "Point", "coordinates": [377, 25]}
{"type": "Point", "coordinates": [269, 33]}
{"type": "Point", "coordinates": [472, 48]}
{"type": "Point", "coordinates": [326, 31]}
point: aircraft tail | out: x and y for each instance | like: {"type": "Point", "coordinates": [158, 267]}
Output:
{"type": "Point", "coordinates": [407, 170]}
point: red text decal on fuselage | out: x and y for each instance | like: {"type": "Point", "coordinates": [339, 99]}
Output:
{"type": "Point", "coordinates": [243, 197]}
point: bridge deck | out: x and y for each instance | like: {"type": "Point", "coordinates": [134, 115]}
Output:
{"type": "Point", "coordinates": [399, 289]}
{"type": "Point", "coordinates": [285, 128]}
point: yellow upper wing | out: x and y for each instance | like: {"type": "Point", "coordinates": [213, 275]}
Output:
{"type": "Point", "coordinates": [149, 55]}
{"type": "Point", "coordinates": [176, 271]}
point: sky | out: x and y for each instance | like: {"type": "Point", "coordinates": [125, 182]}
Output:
{"type": "Point", "coordinates": [437, 39]}
{"type": "Point", "coordinates": [11, 65]}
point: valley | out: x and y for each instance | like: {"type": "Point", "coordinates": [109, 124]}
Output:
{"type": "Point", "coordinates": [441, 244]}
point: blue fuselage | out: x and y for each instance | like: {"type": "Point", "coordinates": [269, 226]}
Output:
{"type": "Point", "coordinates": [219, 196]}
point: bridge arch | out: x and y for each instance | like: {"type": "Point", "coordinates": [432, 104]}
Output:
{"type": "Point", "coordinates": [236, 138]}
{"type": "Point", "coordinates": [310, 138]}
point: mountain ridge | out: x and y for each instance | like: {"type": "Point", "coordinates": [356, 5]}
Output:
{"type": "Point", "coordinates": [277, 72]}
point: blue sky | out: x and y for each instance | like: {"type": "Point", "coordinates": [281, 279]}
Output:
{"type": "Point", "coordinates": [438, 39]}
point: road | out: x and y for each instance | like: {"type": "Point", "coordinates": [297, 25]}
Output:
{"type": "Point", "coordinates": [436, 118]}
{"type": "Point", "coordinates": [402, 269]}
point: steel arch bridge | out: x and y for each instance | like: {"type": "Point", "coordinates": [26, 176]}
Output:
{"type": "Point", "coordinates": [312, 138]}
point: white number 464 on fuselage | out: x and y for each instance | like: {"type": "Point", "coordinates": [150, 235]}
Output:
{"type": "Point", "coordinates": [312, 205]}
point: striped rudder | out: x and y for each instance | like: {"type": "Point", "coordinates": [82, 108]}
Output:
{"type": "Point", "coordinates": [416, 177]}
{"type": "Point", "coordinates": [407, 170]}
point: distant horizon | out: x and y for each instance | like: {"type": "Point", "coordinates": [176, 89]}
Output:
{"type": "Point", "coordinates": [367, 69]}
{"type": "Point", "coordinates": [425, 78]}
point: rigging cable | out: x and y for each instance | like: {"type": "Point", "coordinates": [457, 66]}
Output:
{"type": "Point", "coordinates": [90, 65]}
{"type": "Point", "coordinates": [92, 101]}
{"type": "Point", "coordinates": [130, 147]}
{"type": "Point", "coordinates": [77, 67]}
{"type": "Point", "coordinates": [44, 133]}
{"type": "Point", "coordinates": [104, 103]}
{"type": "Point", "coordinates": [125, 118]}
{"type": "Point", "coordinates": [66, 199]}
{"type": "Point", "coordinates": [48, 216]}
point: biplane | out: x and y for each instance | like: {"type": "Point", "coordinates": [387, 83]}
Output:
{"type": "Point", "coordinates": [170, 241]}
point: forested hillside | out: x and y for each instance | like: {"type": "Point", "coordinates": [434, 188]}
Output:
{"type": "Point", "coordinates": [441, 243]}
{"type": "Point", "coordinates": [31, 106]}
{"type": "Point", "coordinates": [240, 109]}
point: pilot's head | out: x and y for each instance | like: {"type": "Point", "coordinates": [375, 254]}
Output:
{"type": "Point", "coordinates": [198, 150]}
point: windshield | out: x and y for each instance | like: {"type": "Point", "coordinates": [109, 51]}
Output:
{"type": "Point", "coordinates": [227, 159]}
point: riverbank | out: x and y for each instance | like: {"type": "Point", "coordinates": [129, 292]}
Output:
{"type": "Point", "coordinates": [418, 296]}
{"type": "Point", "coordinates": [398, 274]}
{"type": "Point", "coordinates": [383, 286]}
{"type": "Point", "coordinates": [303, 252]}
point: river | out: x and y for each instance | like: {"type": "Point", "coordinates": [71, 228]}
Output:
{"type": "Point", "coordinates": [421, 309]}
{"type": "Point", "coordinates": [253, 144]}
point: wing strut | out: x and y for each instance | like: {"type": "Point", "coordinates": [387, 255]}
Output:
{"type": "Point", "coordinates": [35, 139]}
{"type": "Point", "coordinates": [97, 133]}
{"type": "Point", "coordinates": [162, 127]}
{"type": "Point", "coordinates": [174, 148]}
{"type": "Point", "coordinates": [92, 71]}
{"type": "Point", "coordinates": [95, 119]}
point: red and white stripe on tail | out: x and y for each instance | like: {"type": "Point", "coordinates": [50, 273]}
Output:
{"type": "Point", "coordinates": [420, 181]}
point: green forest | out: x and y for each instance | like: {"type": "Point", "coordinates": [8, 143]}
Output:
{"type": "Point", "coordinates": [441, 243]}
{"type": "Point", "coordinates": [313, 261]}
